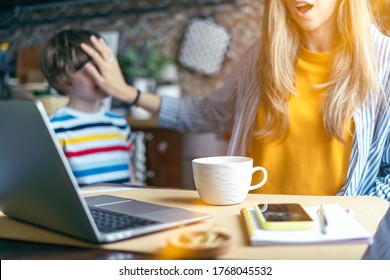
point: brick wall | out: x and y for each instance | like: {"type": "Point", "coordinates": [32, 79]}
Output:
{"type": "Point", "coordinates": [162, 25]}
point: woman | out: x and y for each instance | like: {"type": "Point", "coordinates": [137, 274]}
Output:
{"type": "Point", "coordinates": [307, 102]}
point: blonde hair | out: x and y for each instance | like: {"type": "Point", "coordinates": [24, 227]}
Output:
{"type": "Point", "coordinates": [353, 77]}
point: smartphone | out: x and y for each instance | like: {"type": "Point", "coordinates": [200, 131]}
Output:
{"type": "Point", "coordinates": [283, 216]}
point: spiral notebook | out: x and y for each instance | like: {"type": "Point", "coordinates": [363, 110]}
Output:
{"type": "Point", "coordinates": [342, 227]}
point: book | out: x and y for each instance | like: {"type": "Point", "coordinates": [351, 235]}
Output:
{"type": "Point", "coordinates": [341, 227]}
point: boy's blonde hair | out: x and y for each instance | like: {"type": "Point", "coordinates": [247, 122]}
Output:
{"type": "Point", "coordinates": [62, 56]}
{"type": "Point", "coordinates": [354, 73]}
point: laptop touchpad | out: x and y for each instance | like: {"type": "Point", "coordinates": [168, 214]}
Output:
{"type": "Point", "coordinates": [131, 207]}
{"type": "Point", "coordinates": [124, 205]}
{"type": "Point", "coordinates": [142, 209]}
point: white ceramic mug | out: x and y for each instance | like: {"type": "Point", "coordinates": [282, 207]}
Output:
{"type": "Point", "coordinates": [225, 180]}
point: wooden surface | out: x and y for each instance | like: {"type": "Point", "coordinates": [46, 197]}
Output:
{"type": "Point", "coordinates": [163, 157]}
{"type": "Point", "coordinates": [142, 123]}
{"type": "Point", "coordinates": [225, 219]}
{"type": "Point", "coordinates": [163, 153]}
{"type": "Point", "coordinates": [27, 68]}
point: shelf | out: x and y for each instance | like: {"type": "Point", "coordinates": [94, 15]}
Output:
{"type": "Point", "coordinates": [142, 123]}
{"type": "Point", "coordinates": [53, 12]}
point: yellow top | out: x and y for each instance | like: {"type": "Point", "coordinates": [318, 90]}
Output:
{"type": "Point", "coordinates": [307, 161]}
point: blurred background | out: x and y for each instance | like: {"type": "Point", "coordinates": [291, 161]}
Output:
{"type": "Point", "coordinates": [175, 48]}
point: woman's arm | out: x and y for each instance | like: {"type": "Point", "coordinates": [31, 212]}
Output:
{"type": "Point", "coordinates": [232, 106]}
{"type": "Point", "coordinates": [216, 112]}
{"type": "Point", "coordinates": [381, 187]}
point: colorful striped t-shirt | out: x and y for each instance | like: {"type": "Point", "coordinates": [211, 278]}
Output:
{"type": "Point", "coordinates": [97, 145]}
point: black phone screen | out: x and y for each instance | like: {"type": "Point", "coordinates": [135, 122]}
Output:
{"type": "Point", "coordinates": [284, 212]}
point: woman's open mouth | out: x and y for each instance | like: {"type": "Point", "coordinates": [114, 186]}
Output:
{"type": "Point", "coordinates": [303, 7]}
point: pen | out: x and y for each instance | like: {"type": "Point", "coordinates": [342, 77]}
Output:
{"type": "Point", "coordinates": [323, 219]}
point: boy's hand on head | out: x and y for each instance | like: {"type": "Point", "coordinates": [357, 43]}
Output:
{"type": "Point", "coordinates": [105, 69]}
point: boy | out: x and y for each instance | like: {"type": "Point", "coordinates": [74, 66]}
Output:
{"type": "Point", "coordinates": [96, 143]}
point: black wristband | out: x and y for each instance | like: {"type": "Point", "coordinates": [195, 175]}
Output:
{"type": "Point", "coordinates": [135, 102]}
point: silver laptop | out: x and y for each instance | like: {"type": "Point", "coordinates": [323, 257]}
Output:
{"type": "Point", "coordinates": [37, 185]}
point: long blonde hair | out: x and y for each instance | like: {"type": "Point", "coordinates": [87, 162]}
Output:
{"type": "Point", "coordinates": [354, 73]}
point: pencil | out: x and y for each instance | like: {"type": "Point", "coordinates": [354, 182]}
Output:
{"type": "Point", "coordinates": [323, 220]}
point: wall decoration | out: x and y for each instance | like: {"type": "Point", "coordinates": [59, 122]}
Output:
{"type": "Point", "coordinates": [204, 46]}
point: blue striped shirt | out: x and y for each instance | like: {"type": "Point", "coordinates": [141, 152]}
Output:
{"type": "Point", "coordinates": [233, 108]}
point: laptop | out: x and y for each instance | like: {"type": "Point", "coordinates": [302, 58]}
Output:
{"type": "Point", "coordinates": [37, 185]}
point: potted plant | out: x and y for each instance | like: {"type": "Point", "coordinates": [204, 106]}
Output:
{"type": "Point", "coordinates": [146, 62]}
{"type": "Point", "coordinates": [142, 68]}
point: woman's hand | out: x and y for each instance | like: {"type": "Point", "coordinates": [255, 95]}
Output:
{"type": "Point", "coordinates": [106, 72]}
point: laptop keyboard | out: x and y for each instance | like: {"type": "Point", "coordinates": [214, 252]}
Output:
{"type": "Point", "coordinates": [107, 221]}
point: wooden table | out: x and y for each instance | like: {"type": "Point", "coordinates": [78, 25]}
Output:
{"type": "Point", "coordinates": [369, 211]}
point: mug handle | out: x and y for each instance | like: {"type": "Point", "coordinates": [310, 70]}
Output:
{"type": "Point", "coordinates": [265, 177]}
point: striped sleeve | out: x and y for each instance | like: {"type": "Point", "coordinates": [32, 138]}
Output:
{"type": "Point", "coordinates": [381, 186]}
{"type": "Point", "coordinates": [231, 108]}
{"type": "Point", "coordinates": [375, 176]}
{"type": "Point", "coordinates": [212, 113]}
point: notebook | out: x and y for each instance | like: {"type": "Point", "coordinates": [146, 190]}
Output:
{"type": "Point", "coordinates": [37, 185]}
{"type": "Point", "coordinates": [342, 227]}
